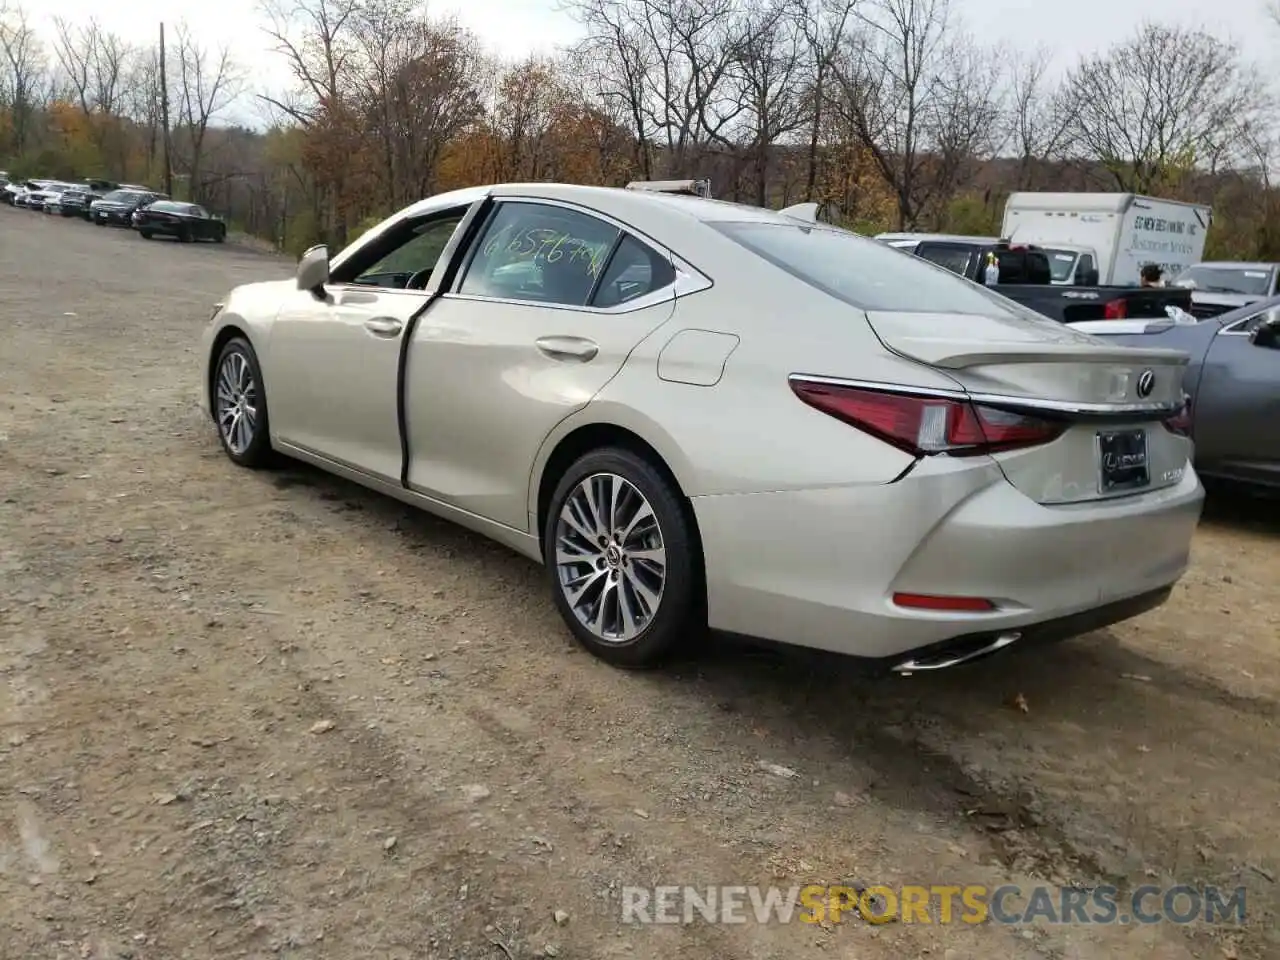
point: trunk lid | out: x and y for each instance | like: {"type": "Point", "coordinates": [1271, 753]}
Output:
{"type": "Point", "coordinates": [1113, 397]}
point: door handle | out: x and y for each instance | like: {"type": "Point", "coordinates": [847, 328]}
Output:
{"type": "Point", "coordinates": [568, 348]}
{"type": "Point", "coordinates": [384, 326]}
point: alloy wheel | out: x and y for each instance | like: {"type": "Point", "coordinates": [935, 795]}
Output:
{"type": "Point", "coordinates": [610, 557]}
{"type": "Point", "coordinates": [236, 401]}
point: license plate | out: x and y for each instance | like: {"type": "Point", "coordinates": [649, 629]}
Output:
{"type": "Point", "coordinates": [1122, 460]}
{"type": "Point", "coordinates": [101, 215]}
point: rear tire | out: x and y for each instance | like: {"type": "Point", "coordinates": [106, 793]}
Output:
{"type": "Point", "coordinates": [145, 234]}
{"type": "Point", "coordinates": [621, 557]}
{"type": "Point", "coordinates": [184, 235]}
{"type": "Point", "coordinates": [220, 236]}
{"type": "Point", "coordinates": [239, 402]}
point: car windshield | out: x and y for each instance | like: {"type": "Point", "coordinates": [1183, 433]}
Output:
{"type": "Point", "coordinates": [862, 272]}
{"type": "Point", "coordinates": [1246, 280]}
{"type": "Point", "coordinates": [168, 206]}
{"type": "Point", "coordinates": [1062, 263]}
{"type": "Point", "coordinates": [123, 196]}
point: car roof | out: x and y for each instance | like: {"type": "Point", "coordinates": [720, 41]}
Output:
{"type": "Point", "coordinates": [611, 198]}
{"type": "Point", "coordinates": [634, 207]}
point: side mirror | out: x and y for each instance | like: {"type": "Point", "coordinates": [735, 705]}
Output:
{"type": "Point", "coordinates": [313, 270]}
{"type": "Point", "coordinates": [1267, 333]}
{"type": "Point", "coordinates": [1086, 278]}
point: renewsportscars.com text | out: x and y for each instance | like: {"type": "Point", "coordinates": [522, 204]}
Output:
{"type": "Point", "coordinates": [938, 903]}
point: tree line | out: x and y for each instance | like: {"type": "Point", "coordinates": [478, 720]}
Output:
{"type": "Point", "coordinates": [889, 112]}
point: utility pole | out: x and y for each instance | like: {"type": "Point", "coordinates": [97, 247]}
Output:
{"type": "Point", "coordinates": [164, 117]}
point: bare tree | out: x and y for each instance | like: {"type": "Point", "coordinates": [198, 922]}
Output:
{"type": "Point", "coordinates": [672, 61]}
{"type": "Point", "coordinates": [206, 82]}
{"type": "Point", "coordinates": [824, 28]}
{"type": "Point", "coordinates": [618, 59]}
{"type": "Point", "coordinates": [963, 117]}
{"type": "Point", "coordinates": [317, 40]}
{"type": "Point", "coordinates": [24, 73]}
{"type": "Point", "coordinates": [770, 73]}
{"type": "Point", "coordinates": [419, 90]}
{"type": "Point", "coordinates": [143, 105]}
{"type": "Point", "coordinates": [1160, 103]}
{"type": "Point", "coordinates": [435, 97]}
{"type": "Point", "coordinates": [885, 77]}
{"type": "Point", "coordinates": [1037, 118]}
{"type": "Point", "coordinates": [96, 64]}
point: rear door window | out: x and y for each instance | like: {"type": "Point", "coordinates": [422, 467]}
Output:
{"type": "Point", "coordinates": [540, 253]}
{"type": "Point", "coordinates": [633, 271]}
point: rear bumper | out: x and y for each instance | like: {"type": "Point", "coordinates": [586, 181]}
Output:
{"type": "Point", "coordinates": [818, 568]}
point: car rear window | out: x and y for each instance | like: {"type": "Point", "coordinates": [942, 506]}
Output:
{"type": "Point", "coordinates": [868, 274]}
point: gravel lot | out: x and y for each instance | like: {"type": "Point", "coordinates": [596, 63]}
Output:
{"type": "Point", "coordinates": [256, 715]}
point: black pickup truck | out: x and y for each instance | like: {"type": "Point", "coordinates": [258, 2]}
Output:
{"type": "Point", "coordinates": [1026, 278]}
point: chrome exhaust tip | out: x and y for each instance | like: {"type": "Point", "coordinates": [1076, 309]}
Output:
{"type": "Point", "coordinates": [943, 661]}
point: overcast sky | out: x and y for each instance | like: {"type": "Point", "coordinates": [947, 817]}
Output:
{"type": "Point", "coordinates": [520, 27]}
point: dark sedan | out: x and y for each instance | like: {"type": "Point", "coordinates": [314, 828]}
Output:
{"type": "Point", "coordinates": [1233, 380]}
{"type": "Point", "coordinates": [117, 207]}
{"type": "Point", "coordinates": [185, 221]}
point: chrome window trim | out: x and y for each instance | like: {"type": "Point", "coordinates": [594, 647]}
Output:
{"type": "Point", "coordinates": [446, 252]}
{"type": "Point", "coordinates": [1001, 400]}
{"type": "Point", "coordinates": [350, 250]}
{"type": "Point", "coordinates": [1233, 329]}
{"type": "Point", "coordinates": [688, 279]}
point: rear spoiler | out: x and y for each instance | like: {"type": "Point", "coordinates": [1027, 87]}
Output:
{"type": "Point", "coordinates": [688, 188]}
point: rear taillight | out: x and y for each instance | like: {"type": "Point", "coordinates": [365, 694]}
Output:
{"type": "Point", "coordinates": [1180, 422]}
{"type": "Point", "coordinates": [1115, 310]}
{"type": "Point", "coordinates": [926, 425]}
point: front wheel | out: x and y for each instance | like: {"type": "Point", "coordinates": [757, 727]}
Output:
{"type": "Point", "coordinates": [239, 404]}
{"type": "Point", "coordinates": [145, 234]}
{"type": "Point", "coordinates": [621, 557]}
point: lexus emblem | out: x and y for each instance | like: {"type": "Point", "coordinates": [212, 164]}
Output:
{"type": "Point", "coordinates": [1146, 383]}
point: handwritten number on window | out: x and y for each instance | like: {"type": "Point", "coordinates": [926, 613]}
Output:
{"type": "Point", "coordinates": [549, 246]}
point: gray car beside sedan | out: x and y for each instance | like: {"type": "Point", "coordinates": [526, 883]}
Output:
{"type": "Point", "coordinates": [1233, 380]}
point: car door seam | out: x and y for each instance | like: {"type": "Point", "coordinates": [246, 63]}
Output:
{"type": "Point", "coordinates": [402, 361]}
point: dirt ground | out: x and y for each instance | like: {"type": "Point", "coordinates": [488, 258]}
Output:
{"type": "Point", "coordinates": [273, 715]}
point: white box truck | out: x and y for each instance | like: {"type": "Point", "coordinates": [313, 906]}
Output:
{"type": "Point", "coordinates": [1116, 234]}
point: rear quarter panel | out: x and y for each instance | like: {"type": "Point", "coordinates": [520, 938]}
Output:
{"type": "Point", "coordinates": [749, 433]}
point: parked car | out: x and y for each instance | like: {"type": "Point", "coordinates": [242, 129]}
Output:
{"type": "Point", "coordinates": [37, 199]}
{"type": "Point", "coordinates": [53, 197]}
{"type": "Point", "coordinates": [117, 207]}
{"type": "Point", "coordinates": [185, 221]}
{"type": "Point", "coordinates": [75, 202]}
{"type": "Point", "coordinates": [699, 413]}
{"type": "Point", "coordinates": [1233, 381]}
{"type": "Point", "coordinates": [1219, 286]}
{"type": "Point", "coordinates": [26, 189]}
{"type": "Point", "coordinates": [1026, 275]}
